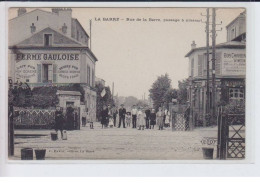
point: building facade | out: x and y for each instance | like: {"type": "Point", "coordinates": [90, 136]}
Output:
{"type": "Point", "coordinates": [230, 71]}
{"type": "Point", "coordinates": [51, 49]}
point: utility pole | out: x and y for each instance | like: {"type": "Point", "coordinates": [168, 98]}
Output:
{"type": "Point", "coordinates": [207, 45]}
{"type": "Point", "coordinates": [213, 64]}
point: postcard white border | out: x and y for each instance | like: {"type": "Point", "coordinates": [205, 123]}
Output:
{"type": "Point", "coordinates": [127, 167]}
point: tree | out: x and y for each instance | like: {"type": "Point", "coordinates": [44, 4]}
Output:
{"type": "Point", "coordinates": [169, 95]}
{"type": "Point", "coordinates": [130, 101]}
{"type": "Point", "coordinates": [182, 92]}
{"type": "Point", "coordinates": [105, 100]}
{"type": "Point", "coordinates": [159, 89]}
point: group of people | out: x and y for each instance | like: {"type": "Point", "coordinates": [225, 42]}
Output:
{"type": "Point", "coordinates": [140, 117]}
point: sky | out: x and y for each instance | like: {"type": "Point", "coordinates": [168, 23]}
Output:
{"type": "Point", "coordinates": [132, 54]}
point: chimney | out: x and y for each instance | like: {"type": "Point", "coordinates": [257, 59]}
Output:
{"type": "Point", "coordinates": [21, 11]}
{"type": "Point", "coordinates": [193, 45]}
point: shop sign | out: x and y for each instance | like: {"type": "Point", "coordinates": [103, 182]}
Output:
{"type": "Point", "coordinates": [25, 71]}
{"type": "Point", "coordinates": [234, 64]}
{"type": "Point", "coordinates": [68, 71]}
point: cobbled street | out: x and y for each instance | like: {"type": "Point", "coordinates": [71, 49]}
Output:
{"type": "Point", "coordinates": [117, 144]}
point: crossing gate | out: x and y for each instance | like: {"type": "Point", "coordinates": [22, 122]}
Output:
{"type": "Point", "coordinates": [179, 118]}
{"type": "Point", "coordinates": [231, 135]}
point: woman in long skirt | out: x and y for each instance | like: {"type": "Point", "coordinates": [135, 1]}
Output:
{"type": "Point", "coordinates": [140, 119]}
{"type": "Point", "coordinates": [159, 118]}
{"type": "Point", "coordinates": [104, 116]}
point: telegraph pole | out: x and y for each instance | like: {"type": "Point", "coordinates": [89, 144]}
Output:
{"type": "Point", "coordinates": [207, 45]}
{"type": "Point", "coordinates": [213, 64]}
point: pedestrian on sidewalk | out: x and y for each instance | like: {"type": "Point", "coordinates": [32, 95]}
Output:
{"type": "Point", "coordinates": [147, 118]}
{"type": "Point", "coordinates": [134, 116]}
{"type": "Point", "coordinates": [59, 120]}
{"type": "Point", "coordinates": [141, 119]}
{"type": "Point", "coordinates": [159, 118]}
{"type": "Point", "coordinates": [152, 119]}
{"type": "Point", "coordinates": [104, 116]}
{"type": "Point", "coordinates": [122, 113]}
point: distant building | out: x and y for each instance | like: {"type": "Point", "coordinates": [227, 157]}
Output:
{"type": "Point", "coordinates": [51, 49]}
{"type": "Point", "coordinates": [230, 70]}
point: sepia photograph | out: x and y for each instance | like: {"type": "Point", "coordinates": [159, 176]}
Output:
{"type": "Point", "coordinates": [157, 83]}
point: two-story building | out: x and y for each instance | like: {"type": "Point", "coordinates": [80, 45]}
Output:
{"type": "Point", "coordinates": [230, 71]}
{"type": "Point", "coordinates": [51, 49]}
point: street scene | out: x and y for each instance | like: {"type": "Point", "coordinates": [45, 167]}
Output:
{"type": "Point", "coordinates": [126, 83]}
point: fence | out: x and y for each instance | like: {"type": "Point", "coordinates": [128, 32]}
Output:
{"type": "Point", "coordinates": [231, 135]}
{"type": "Point", "coordinates": [44, 119]}
{"type": "Point", "coordinates": [34, 118]}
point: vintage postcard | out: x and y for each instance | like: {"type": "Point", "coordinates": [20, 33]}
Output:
{"type": "Point", "coordinates": [126, 83]}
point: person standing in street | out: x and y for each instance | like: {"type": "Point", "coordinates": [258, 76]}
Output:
{"type": "Point", "coordinates": [152, 119]}
{"type": "Point", "coordinates": [159, 118]}
{"type": "Point", "coordinates": [114, 112]}
{"type": "Point", "coordinates": [134, 116]}
{"type": "Point", "coordinates": [59, 119]}
{"type": "Point", "coordinates": [141, 119]}
{"type": "Point", "coordinates": [147, 119]}
{"type": "Point", "coordinates": [122, 112]}
{"type": "Point", "coordinates": [104, 116]}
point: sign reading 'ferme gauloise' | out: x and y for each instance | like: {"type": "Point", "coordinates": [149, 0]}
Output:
{"type": "Point", "coordinates": [47, 56]}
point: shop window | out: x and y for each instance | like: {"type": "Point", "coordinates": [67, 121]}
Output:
{"type": "Point", "coordinates": [236, 94]}
{"type": "Point", "coordinates": [47, 73]}
{"type": "Point", "coordinates": [47, 39]}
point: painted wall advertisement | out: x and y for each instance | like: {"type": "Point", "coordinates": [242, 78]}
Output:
{"type": "Point", "coordinates": [234, 63]}
{"type": "Point", "coordinates": [52, 67]}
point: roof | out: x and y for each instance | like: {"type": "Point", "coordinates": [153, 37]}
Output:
{"type": "Point", "coordinates": [80, 26]}
{"type": "Point", "coordinates": [74, 93]}
{"type": "Point", "coordinates": [230, 44]}
{"type": "Point", "coordinates": [70, 41]}
{"type": "Point", "coordinates": [239, 16]}
{"type": "Point", "coordinates": [33, 11]}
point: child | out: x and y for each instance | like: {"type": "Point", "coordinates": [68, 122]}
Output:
{"type": "Point", "coordinates": [128, 119]}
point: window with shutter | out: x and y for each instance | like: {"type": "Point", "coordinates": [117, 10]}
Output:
{"type": "Point", "coordinates": [39, 73]}
{"type": "Point", "coordinates": [55, 73]}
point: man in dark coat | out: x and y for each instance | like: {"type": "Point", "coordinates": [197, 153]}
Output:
{"type": "Point", "coordinates": [104, 116]}
{"type": "Point", "coordinates": [70, 117]}
{"type": "Point", "coordinates": [147, 118]}
{"type": "Point", "coordinates": [59, 119]}
{"type": "Point", "coordinates": [122, 112]}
